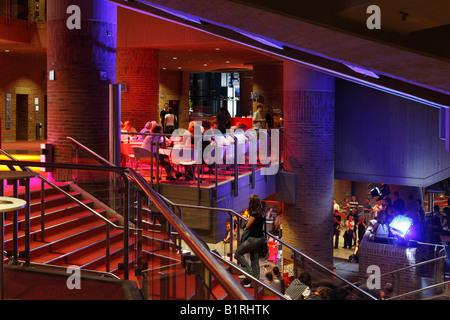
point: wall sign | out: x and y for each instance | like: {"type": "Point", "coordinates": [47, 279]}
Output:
{"type": "Point", "coordinates": [8, 111]}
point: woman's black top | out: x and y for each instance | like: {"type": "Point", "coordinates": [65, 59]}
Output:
{"type": "Point", "coordinates": [256, 229]}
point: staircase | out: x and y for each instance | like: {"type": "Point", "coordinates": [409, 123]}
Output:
{"type": "Point", "coordinates": [74, 236]}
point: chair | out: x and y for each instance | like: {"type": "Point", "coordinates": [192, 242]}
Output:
{"type": "Point", "coordinates": [143, 156]}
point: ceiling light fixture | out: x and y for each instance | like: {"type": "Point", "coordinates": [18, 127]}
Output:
{"type": "Point", "coordinates": [262, 40]}
{"type": "Point", "coordinates": [176, 13]}
{"type": "Point", "coordinates": [363, 71]}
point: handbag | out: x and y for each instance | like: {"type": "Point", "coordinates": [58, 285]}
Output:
{"type": "Point", "coordinates": [245, 235]}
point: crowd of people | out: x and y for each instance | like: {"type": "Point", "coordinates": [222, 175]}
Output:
{"type": "Point", "coordinates": [354, 219]}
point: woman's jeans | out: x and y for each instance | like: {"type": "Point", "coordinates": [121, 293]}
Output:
{"type": "Point", "coordinates": [252, 246]}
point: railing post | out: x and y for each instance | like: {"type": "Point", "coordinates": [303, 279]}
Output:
{"type": "Point", "coordinates": [2, 249]}
{"type": "Point", "coordinates": [42, 211]}
{"type": "Point", "coordinates": [108, 247]}
{"type": "Point", "coordinates": [139, 253]}
{"type": "Point", "coordinates": [15, 226]}
{"type": "Point", "coordinates": [126, 231]}
{"type": "Point", "coordinates": [236, 167]}
{"type": "Point", "coordinates": [27, 222]}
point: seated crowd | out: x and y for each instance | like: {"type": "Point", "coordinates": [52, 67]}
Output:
{"type": "Point", "coordinates": [174, 138]}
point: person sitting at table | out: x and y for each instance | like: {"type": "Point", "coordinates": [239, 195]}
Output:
{"type": "Point", "coordinates": [127, 127]}
{"type": "Point", "coordinates": [150, 143]}
{"type": "Point", "coordinates": [241, 126]}
{"type": "Point", "coordinates": [189, 142]}
{"type": "Point", "coordinates": [147, 129]}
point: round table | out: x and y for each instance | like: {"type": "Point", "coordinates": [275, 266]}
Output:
{"type": "Point", "coordinates": [7, 204]}
{"type": "Point", "coordinates": [11, 204]}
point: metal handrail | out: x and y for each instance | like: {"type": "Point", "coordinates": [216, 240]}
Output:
{"type": "Point", "coordinates": [252, 278]}
{"type": "Point", "coordinates": [275, 238]}
{"type": "Point", "coordinates": [207, 258]}
{"type": "Point", "coordinates": [416, 265]}
{"type": "Point", "coordinates": [185, 233]}
{"type": "Point", "coordinates": [225, 279]}
{"type": "Point", "coordinates": [26, 165]}
{"type": "Point", "coordinates": [96, 155]}
{"type": "Point", "coordinates": [433, 286]}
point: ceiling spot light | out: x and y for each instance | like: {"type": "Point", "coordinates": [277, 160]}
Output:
{"type": "Point", "coordinates": [227, 61]}
{"type": "Point", "coordinates": [174, 58]}
{"type": "Point", "coordinates": [179, 68]}
{"type": "Point", "coordinates": [7, 50]}
{"type": "Point", "coordinates": [218, 49]}
{"type": "Point", "coordinates": [205, 64]}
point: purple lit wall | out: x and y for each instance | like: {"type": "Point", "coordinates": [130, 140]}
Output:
{"type": "Point", "coordinates": [385, 138]}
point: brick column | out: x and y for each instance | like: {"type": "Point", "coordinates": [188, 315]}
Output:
{"type": "Point", "coordinates": [309, 124]}
{"type": "Point", "coordinates": [268, 81]}
{"type": "Point", "coordinates": [78, 98]}
{"type": "Point", "coordinates": [138, 68]}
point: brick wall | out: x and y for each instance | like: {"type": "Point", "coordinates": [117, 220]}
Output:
{"type": "Point", "coordinates": [22, 73]}
{"type": "Point", "coordinates": [390, 258]}
{"type": "Point", "coordinates": [174, 85]}
{"type": "Point", "coordinates": [78, 99]}
{"type": "Point", "coordinates": [138, 68]}
{"type": "Point", "coordinates": [268, 81]}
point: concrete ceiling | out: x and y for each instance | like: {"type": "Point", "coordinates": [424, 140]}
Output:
{"type": "Point", "coordinates": [409, 52]}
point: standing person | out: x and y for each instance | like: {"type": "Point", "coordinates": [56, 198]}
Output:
{"type": "Point", "coordinates": [353, 204]}
{"type": "Point", "coordinates": [255, 239]}
{"type": "Point", "coordinates": [336, 206]}
{"type": "Point", "coordinates": [337, 227]}
{"type": "Point", "coordinates": [258, 120]}
{"type": "Point", "coordinates": [170, 121]}
{"type": "Point", "coordinates": [278, 225]}
{"type": "Point", "coordinates": [269, 118]}
{"type": "Point", "coordinates": [367, 210]}
{"type": "Point", "coordinates": [399, 204]}
{"type": "Point", "coordinates": [348, 237]}
{"type": "Point", "coordinates": [222, 120]}
{"type": "Point", "coordinates": [361, 227]}
{"type": "Point", "coordinates": [354, 213]}
{"type": "Point", "coordinates": [162, 116]}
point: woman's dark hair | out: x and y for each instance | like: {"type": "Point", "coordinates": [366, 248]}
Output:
{"type": "Point", "coordinates": [254, 205]}
{"type": "Point", "coordinates": [157, 129]}
{"type": "Point", "coordinates": [305, 278]}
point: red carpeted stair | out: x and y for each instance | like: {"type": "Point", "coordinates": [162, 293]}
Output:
{"type": "Point", "coordinates": [74, 236]}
